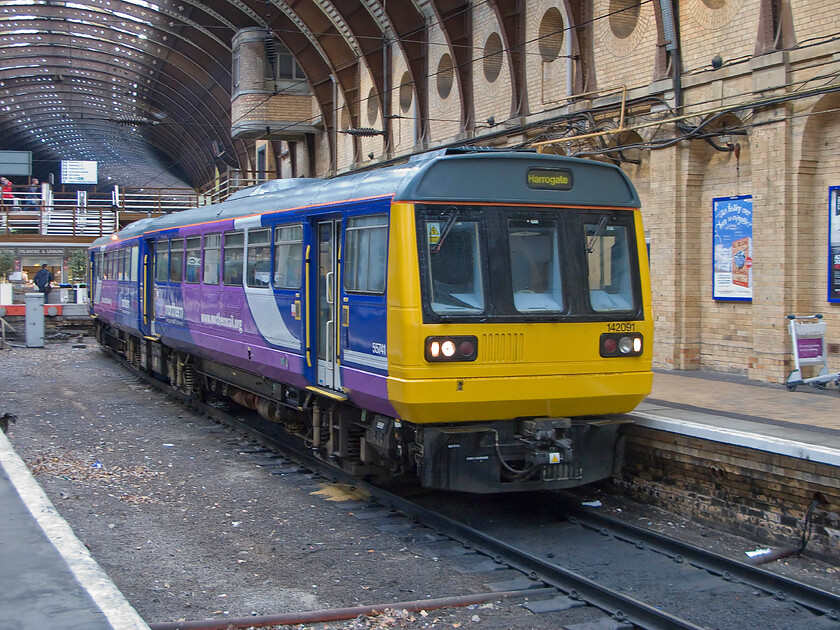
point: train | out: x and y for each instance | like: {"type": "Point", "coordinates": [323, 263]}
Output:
{"type": "Point", "coordinates": [467, 320]}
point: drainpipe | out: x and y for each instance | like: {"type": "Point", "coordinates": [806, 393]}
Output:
{"type": "Point", "coordinates": [669, 26]}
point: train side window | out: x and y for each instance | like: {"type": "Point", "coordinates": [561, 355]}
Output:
{"type": "Point", "coordinates": [212, 258]}
{"type": "Point", "coordinates": [161, 261]}
{"type": "Point", "coordinates": [455, 267]}
{"type": "Point", "coordinates": [535, 266]}
{"type": "Point", "coordinates": [608, 262]}
{"type": "Point", "coordinates": [193, 275]}
{"type": "Point", "coordinates": [288, 258]}
{"type": "Point", "coordinates": [259, 258]}
{"type": "Point", "coordinates": [119, 259]}
{"type": "Point", "coordinates": [126, 264]}
{"type": "Point", "coordinates": [366, 254]}
{"type": "Point", "coordinates": [176, 260]}
{"type": "Point", "coordinates": [234, 254]}
{"type": "Point", "coordinates": [135, 257]}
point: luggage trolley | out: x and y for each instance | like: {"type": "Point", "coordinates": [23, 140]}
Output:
{"type": "Point", "coordinates": [808, 339]}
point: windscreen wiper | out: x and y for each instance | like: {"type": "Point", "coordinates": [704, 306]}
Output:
{"type": "Point", "coordinates": [599, 232]}
{"type": "Point", "coordinates": [450, 221]}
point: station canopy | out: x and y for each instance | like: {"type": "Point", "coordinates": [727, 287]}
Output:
{"type": "Point", "coordinates": [144, 88]}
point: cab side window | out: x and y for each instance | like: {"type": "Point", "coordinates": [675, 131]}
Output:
{"type": "Point", "coordinates": [366, 254]}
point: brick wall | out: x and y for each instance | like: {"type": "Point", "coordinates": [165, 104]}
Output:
{"type": "Point", "coordinates": [787, 160]}
{"type": "Point", "coordinates": [625, 43]}
{"type": "Point", "coordinates": [444, 90]}
{"type": "Point", "coordinates": [761, 495]}
{"type": "Point", "coordinates": [491, 72]}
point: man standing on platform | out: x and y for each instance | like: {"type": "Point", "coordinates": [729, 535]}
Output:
{"type": "Point", "coordinates": [43, 279]}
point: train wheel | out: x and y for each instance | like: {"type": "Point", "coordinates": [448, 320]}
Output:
{"type": "Point", "coordinates": [790, 388]}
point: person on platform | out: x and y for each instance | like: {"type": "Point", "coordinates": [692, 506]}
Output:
{"type": "Point", "coordinates": [43, 279]}
{"type": "Point", "coordinates": [33, 192]}
{"type": "Point", "coordinates": [7, 195]}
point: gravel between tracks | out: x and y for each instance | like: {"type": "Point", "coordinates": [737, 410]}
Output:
{"type": "Point", "coordinates": [189, 525]}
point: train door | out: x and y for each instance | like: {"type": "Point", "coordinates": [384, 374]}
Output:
{"type": "Point", "coordinates": [147, 288]}
{"type": "Point", "coordinates": [329, 241]}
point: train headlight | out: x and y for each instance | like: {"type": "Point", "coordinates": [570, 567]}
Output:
{"type": "Point", "coordinates": [621, 345]}
{"type": "Point", "coordinates": [461, 348]}
{"type": "Point", "coordinates": [625, 345]}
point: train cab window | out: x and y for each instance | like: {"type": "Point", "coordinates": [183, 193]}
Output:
{"type": "Point", "coordinates": [366, 253]}
{"type": "Point", "coordinates": [212, 258]}
{"type": "Point", "coordinates": [534, 266]}
{"type": "Point", "coordinates": [193, 260]}
{"type": "Point", "coordinates": [234, 255]}
{"type": "Point", "coordinates": [455, 266]}
{"type": "Point", "coordinates": [288, 248]}
{"type": "Point", "coordinates": [161, 261]}
{"type": "Point", "coordinates": [258, 265]}
{"type": "Point", "coordinates": [176, 260]}
{"type": "Point", "coordinates": [608, 261]}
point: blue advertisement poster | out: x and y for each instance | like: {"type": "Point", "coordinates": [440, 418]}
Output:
{"type": "Point", "coordinates": [732, 218]}
{"type": "Point", "coordinates": [834, 244]}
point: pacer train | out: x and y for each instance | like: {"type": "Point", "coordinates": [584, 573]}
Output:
{"type": "Point", "coordinates": [471, 319]}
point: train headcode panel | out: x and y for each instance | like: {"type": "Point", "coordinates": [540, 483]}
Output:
{"type": "Point", "coordinates": [470, 320]}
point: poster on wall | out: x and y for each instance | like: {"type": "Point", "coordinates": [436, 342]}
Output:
{"type": "Point", "coordinates": [834, 244]}
{"type": "Point", "coordinates": [732, 218]}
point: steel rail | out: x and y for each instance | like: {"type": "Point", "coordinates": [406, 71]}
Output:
{"type": "Point", "coordinates": [616, 604]}
{"type": "Point", "coordinates": [809, 596]}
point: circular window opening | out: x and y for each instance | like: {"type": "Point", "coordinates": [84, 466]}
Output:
{"type": "Point", "coordinates": [406, 92]}
{"type": "Point", "coordinates": [551, 35]}
{"type": "Point", "coordinates": [492, 57]}
{"type": "Point", "coordinates": [715, 4]}
{"type": "Point", "coordinates": [445, 76]}
{"type": "Point", "coordinates": [372, 106]}
{"type": "Point", "coordinates": [624, 15]}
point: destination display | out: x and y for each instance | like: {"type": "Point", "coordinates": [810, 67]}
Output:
{"type": "Point", "coordinates": [550, 179]}
{"type": "Point", "coordinates": [78, 172]}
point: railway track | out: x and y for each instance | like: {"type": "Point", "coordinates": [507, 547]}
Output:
{"type": "Point", "coordinates": [570, 558]}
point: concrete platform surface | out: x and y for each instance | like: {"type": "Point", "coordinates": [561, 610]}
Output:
{"type": "Point", "coordinates": [48, 577]}
{"type": "Point", "coordinates": [804, 423]}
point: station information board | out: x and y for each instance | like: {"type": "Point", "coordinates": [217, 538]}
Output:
{"type": "Point", "coordinates": [78, 172]}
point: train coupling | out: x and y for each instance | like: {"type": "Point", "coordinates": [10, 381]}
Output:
{"type": "Point", "coordinates": [546, 440]}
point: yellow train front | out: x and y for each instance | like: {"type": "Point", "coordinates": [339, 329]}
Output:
{"type": "Point", "coordinates": [519, 322]}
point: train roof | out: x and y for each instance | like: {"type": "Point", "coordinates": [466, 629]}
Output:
{"type": "Point", "coordinates": [454, 176]}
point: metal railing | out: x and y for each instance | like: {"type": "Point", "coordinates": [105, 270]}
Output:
{"type": "Point", "coordinates": [46, 212]}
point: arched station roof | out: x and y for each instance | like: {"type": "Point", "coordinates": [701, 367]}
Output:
{"type": "Point", "coordinates": [144, 87]}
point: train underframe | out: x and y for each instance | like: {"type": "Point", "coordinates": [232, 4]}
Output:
{"type": "Point", "coordinates": [522, 454]}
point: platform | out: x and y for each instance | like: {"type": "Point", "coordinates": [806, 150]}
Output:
{"type": "Point", "coordinates": [48, 577]}
{"type": "Point", "coordinates": [804, 423]}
